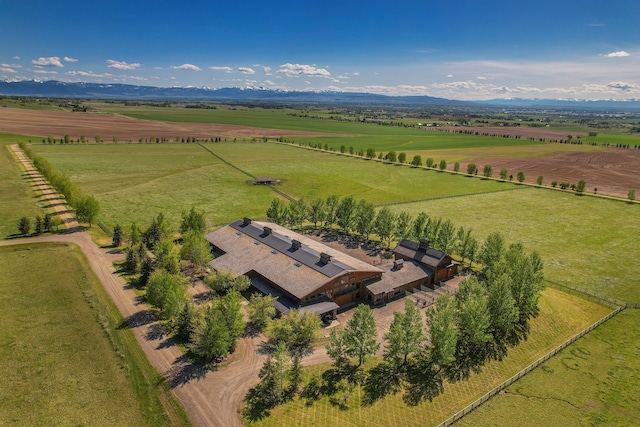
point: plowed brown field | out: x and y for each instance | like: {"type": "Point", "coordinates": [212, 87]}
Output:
{"type": "Point", "coordinates": [57, 124]}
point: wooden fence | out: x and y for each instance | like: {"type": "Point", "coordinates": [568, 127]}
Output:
{"type": "Point", "coordinates": [455, 417]}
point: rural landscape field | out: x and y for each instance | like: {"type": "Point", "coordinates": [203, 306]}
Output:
{"type": "Point", "coordinates": [140, 161]}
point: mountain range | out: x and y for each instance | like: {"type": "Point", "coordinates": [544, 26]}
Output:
{"type": "Point", "coordinates": [58, 89]}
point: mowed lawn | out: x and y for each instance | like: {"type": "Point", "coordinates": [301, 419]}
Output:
{"type": "Point", "coordinates": [594, 381]}
{"type": "Point", "coordinates": [62, 360]}
{"type": "Point", "coordinates": [585, 242]}
{"type": "Point", "coordinates": [561, 316]}
{"type": "Point", "coordinates": [17, 197]}
{"type": "Point", "coordinates": [134, 182]}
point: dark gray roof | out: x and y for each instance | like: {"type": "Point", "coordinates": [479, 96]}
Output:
{"type": "Point", "coordinates": [280, 243]}
{"type": "Point", "coordinates": [429, 256]}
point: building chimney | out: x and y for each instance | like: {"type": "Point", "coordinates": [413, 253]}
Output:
{"type": "Point", "coordinates": [267, 231]}
{"type": "Point", "coordinates": [295, 245]}
{"type": "Point", "coordinates": [424, 245]}
{"type": "Point", "coordinates": [398, 264]}
{"type": "Point", "coordinates": [245, 222]}
{"type": "Point", "coordinates": [324, 258]}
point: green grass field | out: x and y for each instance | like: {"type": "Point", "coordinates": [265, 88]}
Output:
{"type": "Point", "coordinates": [17, 197]}
{"type": "Point", "coordinates": [64, 360]}
{"type": "Point", "coordinates": [594, 381]}
{"type": "Point", "coordinates": [585, 242]}
{"type": "Point", "coordinates": [561, 316]}
{"type": "Point", "coordinates": [134, 182]}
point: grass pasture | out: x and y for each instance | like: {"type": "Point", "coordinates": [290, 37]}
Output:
{"type": "Point", "coordinates": [594, 381]}
{"type": "Point", "coordinates": [17, 197]}
{"type": "Point", "coordinates": [561, 316]}
{"type": "Point", "coordinates": [63, 357]}
{"type": "Point", "coordinates": [134, 182]}
{"type": "Point", "coordinates": [585, 242]}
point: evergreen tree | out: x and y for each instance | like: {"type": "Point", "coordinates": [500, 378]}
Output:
{"type": "Point", "coordinates": [193, 221]}
{"type": "Point", "coordinates": [116, 239]}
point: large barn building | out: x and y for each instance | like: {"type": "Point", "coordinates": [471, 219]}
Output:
{"type": "Point", "coordinates": [308, 275]}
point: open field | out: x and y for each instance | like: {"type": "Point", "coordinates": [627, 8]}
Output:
{"type": "Point", "coordinates": [594, 381]}
{"type": "Point", "coordinates": [585, 242]}
{"type": "Point", "coordinates": [17, 198]}
{"type": "Point", "coordinates": [561, 316]}
{"type": "Point", "coordinates": [67, 360]}
{"type": "Point", "coordinates": [134, 182]}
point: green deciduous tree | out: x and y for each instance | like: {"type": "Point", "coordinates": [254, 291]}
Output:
{"type": "Point", "coordinates": [503, 313]}
{"type": "Point", "coordinates": [456, 167]}
{"type": "Point", "coordinates": [87, 208]}
{"type": "Point", "coordinates": [210, 337]}
{"type": "Point", "coordinates": [193, 221]}
{"type": "Point", "coordinates": [418, 225]}
{"type": "Point", "coordinates": [222, 281]}
{"type": "Point", "coordinates": [402, 157]}
{"type": "Point", "coordinates": [443, 332]}
{"type": "Point", "coordinates": [277, 212]}
{"type": "Point", "coordinates": [443, 164]}
{"type": "Point", "coordinates": [337, 351]}
{"type": "Point", "coordinates": [403, 226]}
{"type": "Point", "coordinates": [167, 255]}
{"type": "Point", "coordinates": [296, 329]}
{"type": "Point", "coordinates": [297, 213]}
{"type": "Point", "coordinates": [632, 194]}
{"type": "Point", "coordinates": [346, 213]}
{"type": "Point", "coordinates": [472, 169]}
{"type": "Point", "coordinates": [385, 224]}
{"type": "Point", "coordinates": [492, 252]}
{"type": "Point", "coordinates": [261, 310]}
{"type": "Point", "coordinates": [365, 217]}
{"type": "Point", "coordinates": [417, 160]}
{"type": "Point", "coordinates": [316, 211]}
{"type": "Point", "coordinates": [488, 171]}
{"type": "Point", "coordinates": [521, 176]}
{"type": "Point", "coordinates": [540, 180]}
{"type": "Point", "coordinates": [196, 249]}
{"type": "Point", "coordinates": [504, 173]}
{"type": "Point", "coordinates": [330, 210]}
{"type": "Point", "coordinates": [582, 185]}
{"type": "Point", "coordinates": [230, 306]}
{"type": "Point", "coordinates": [360, 334]}
{"type": "Point", "coordinates": [405, 335]}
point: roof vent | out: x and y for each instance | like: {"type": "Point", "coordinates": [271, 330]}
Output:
{"type": "Point", "coordinates": [245, 222]}
{"type": "Point", "coordinates": [398, 264]}
{"type": "Point", "coordinates": [325, 258]}
{"type": "Point", "coordinates": [424, 245]}
{"type": "Point", "coordinates": [295, 245]}
{"type": "Point", "coordinates": [267, 231]}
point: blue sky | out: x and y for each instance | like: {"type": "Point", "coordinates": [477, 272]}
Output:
{"type": "Point", "coordinates": [454, 49]}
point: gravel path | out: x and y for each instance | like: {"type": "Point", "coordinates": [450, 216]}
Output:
{"type": "Point", "coordinates": [210, 398]}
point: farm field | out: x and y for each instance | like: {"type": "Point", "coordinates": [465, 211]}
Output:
{"type": "Point", "coordinates": [561, 316]}
{"type": "Point", "coordinates": [67, 362]}
{"type": "Point", "coordinates": [585, 242]}
{"type": "Point", "coordinates": [594, 381]}
{"type": "Point", "coordinates": [17, 199]}
{"type": "Point", "coordinates": [134, 182]}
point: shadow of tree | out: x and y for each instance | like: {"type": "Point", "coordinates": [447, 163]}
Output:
{"type": "Point", "coordinates": [138, 319]}
{"type": "Point", "coordinates": [382, 380]}
{"type": "Point", "coordinates": [155, 332]}
{"type": "Point", "coordinates": [423, 382]}
{"type": "Point", "coordinates": [183, 371]}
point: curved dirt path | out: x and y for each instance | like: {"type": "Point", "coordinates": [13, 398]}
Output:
{"type": "Point", "coordinates": [210, 398]}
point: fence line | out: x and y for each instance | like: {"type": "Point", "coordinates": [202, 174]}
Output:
{"type": "Point", "coordinates": [471, 407]}
{"type": "Point", "coordinates": [582, 293]}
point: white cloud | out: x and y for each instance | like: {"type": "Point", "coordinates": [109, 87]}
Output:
{"type": "Point", "coordinates": [121, 65]}
{"type": "Point", "coordinates": [186, 67]}
{"type": "Point", "coordinates": [44, 72]}
{"type": "Point", "coordinates": [618, 54]}
{"type": "Point", "coordinates": [246, 70]}
{"type": "Point", "coordinates": [225, 69]}
{"type": "Point", "coordinates": [622, 86]}
{"type": "Point", "coordinates": [296, 70]}
{"type": "Point", "coordinates": [89, 74]}
{"type": "Point", "coordinates": [449, 76]}
{"type": "Point", "coordinates": [50, 61]}
{"type": "Point", "coordinates": [16, 57]}
{"type": "Point", "coordinates": [267, 70]}
{"type": "Point", "coordinates": [68, 59]}
{"type": "Point", "coordinates": [6, 69]}
{"type": "Point", "coordinates": [268, 82]}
